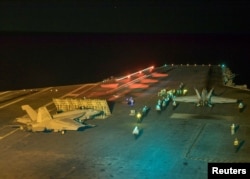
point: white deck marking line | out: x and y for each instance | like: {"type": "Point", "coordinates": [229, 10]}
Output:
{"type": "Point", "coordinates": [83, 86]}
{"type": "Point", "coordinates": [3, 127]}
{"type": "Point", "coordinates": [1, 137]}
{"type": "Point", "coordinates": [73, 92]}
{"type": "Point", "coordinates": [3, 106]}
{"type": "Point", "coordinates": [77, 94]}
{"type": "Point", "coordinates": [4, 92]}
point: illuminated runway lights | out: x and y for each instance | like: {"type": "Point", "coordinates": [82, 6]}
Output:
{"type": "Point", "coordinates": [138, 72]}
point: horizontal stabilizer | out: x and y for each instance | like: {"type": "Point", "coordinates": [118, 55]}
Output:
{"type": "Point", "coordinates": [23, 120]}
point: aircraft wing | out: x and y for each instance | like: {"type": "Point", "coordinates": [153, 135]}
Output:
{"type": "Point", "coordinates": [70, 114]}
{"type": "Point", "coordinates": [65, 124]}
{"type": "Point", "coordinates": [90, 113]}
{"type": "Point", "coordinates": [216, 99]}
{"type": "Point", "coordinates": [188, 99]}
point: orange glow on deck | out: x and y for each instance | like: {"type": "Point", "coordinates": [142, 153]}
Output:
{"type": "Point", "coordinates": [136, 73]}
{"type": "Point", "coordinates": [138, 85]}
{"type": "Point", "coordinates": [148, 80]}
{"type": "Point", "coordinates": [112, 85]}
{"type": "Point", "coordinates": [159, 75]}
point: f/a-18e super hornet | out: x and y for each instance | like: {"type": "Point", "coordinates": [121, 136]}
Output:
{"type": "Point", "coordinates": [43, 121]}
{"type": "Point", "coordinates": [205, 98]}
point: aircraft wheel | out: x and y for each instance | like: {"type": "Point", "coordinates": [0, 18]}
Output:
{"type": "Point", "coordinates": [29, 128]}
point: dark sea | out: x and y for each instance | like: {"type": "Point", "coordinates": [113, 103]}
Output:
{"type": "Point", "coordinates": [42, 60]}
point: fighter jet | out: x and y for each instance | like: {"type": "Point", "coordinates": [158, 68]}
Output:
{"type": "Point", "coordinates": [205, 98]}
{"type": "Point", "coordinates": [43, 121]}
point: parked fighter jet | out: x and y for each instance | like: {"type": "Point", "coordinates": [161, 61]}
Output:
{"type": "Point", "coordinates": [43, 121]}
{"type": "Point", "coordinates": [204, 98]}
{"type": "Point", "coordinates": [87, 114]}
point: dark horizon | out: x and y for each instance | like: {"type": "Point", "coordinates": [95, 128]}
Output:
{"type": "Point", "coordinates": [49, 43]}
{"type": "Point", "coordinates": [126, 17]}
{"type": "Point", "coordinates": [42, 59]}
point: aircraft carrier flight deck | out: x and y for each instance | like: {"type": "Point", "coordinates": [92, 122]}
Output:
{"type": "Point", "coordinates": [177, 141]}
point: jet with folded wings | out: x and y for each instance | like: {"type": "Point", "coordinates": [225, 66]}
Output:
{"type": "Point", "coordinates": [43, 121]}
{"type": "Point", "coordinates": [204, 98]}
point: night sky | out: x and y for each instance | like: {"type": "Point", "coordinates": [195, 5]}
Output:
{"type": "Point", "coordinates": [49, 43]}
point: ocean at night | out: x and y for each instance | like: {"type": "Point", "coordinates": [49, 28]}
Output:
{"type": "Point", "coordinates": [50, 43]}
{"type": "Point", "coordinates": [41, 60]}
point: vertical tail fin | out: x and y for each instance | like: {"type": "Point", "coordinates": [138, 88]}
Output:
{"type": "Point", "coordinates": [198, 94]}
{"type": "Point", "coordinates": [30, 111]}
{"type": "Point", "coordinates": [43, 114]}
{"type": "Point", "coordinates": [210, 94]}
